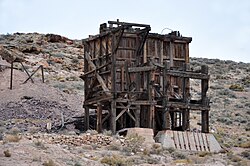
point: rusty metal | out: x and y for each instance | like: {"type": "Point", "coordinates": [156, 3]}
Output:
{"type": "Point", "coordinates": [141, 79]}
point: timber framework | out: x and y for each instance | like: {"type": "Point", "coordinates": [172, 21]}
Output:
{"type": "Point", "coordinates": [134, 78]}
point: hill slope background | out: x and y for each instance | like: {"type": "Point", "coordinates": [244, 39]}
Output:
{"type": "Point", "coordinates": [26, 110]}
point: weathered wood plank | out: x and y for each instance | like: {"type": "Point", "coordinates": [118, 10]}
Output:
{"type": "Point", "coordinates": [99, 78]}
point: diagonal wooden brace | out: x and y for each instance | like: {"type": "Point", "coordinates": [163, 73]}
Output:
{"type": "Point", "coordinates": [99, 78]}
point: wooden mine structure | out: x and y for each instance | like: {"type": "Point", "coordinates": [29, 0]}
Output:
{"type": "Point", "coordinates": [134, 78]}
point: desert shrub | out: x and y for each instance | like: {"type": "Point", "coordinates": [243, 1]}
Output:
{"type": "Point", "coordinates": [58, 55]}
{"type": "Point", "coordinates": [107, 132]}
{"type": "Point", "coordinates": [178, 155]}
{"type": "Point", "coordinates": [170, 150]}
{"type": "Point", "coordinates": [151, 160]}
{"type": "Point", "coordinates": [246, 154]}
{"type": "Point", "coordinates": [225, 120]}
{"type": "Point", "coordinates": [49, 163]}
{"type": "Point", "coordinates": [156, 149]}
{"type": "Point", "coordinates": [2, 123]}
{"type": "Point", "coordinates": [204, 153]}
{"type": "Point", "coordinates": [75, 60]}
{"type": "Point", "coordinates": [247, 127]}
{"type": "Point", "coordinates": [236, 87]}
{"type": "Point", "coordinates": [37, 159]}
{"type": "Point", "coordinates": [233, 158]}
{"type": "Point", "coordinates": [78, 86]}
{"type": "Point", "coordinates": [133, 143]}
{"type": "Point", "coordinates": [246, 80]}
{"type": "Point", "coordinates": [226, 92]}
{"type": "Point", "coordinates": [60, 86]}
{"type": "Point", "coordinates": [13, 138]}
{"type": "Point", "coordinates": [7, 153]}
{"type": "Point", "coordinates": [92, 132]}
{"type": "Point", "coordinates": [14, 131]}
{"type": "Point", "coordinates": [78, 164]}
{"type": "Point", "coordinates": [39, 144]}
{"type": "Point", "coordinates": [114, 160]}
{"type": "Point", "coordinates": [247, 104]}
{"type": "Point", "coordinates": [245, 144]}
{"type": "Point", "coordinates": [114, 146]}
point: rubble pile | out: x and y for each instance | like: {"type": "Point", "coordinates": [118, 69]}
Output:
{"type": "Point", "coordinates": [74, 140]}
{"type": "Point", "coordinates": [33, 113]}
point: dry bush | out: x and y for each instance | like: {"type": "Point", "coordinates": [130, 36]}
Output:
{"type": "Point", "coordinates": [107, 132]}
{"type": "Point", "coordinates": [153, 161]}
{"type": "Point", "coordinates": [156, 149]}
{"type": "Point", "coordinates": [170, 150]}
{"type": "Point", "coordinates": [245, 144]}
{"type": "Point", "coordinates": [133, 143]}
{"type": "Point", "coordinates": [204, 153]}
{"type": "Point", "coordinates": [114, 160]}
{"type": "Point", "coordinates": [246, 154]}
{"type": "Point", "coordinates": [182, 162]}
{"type": "Point", "coordinates": [49, 163]}
{"type": "Point", "coordinates": [115, 146]}
{"type": "Point", "coordinates": [178, 155]}
{"type": "Point", "coordinates": [7, 153]}
{"type": "Point", "coordinates": [14, 131]}
{"type": "Point", "coordinates": [37, 159]}
{"type": "Point", "coordinates": [236, 87]}
{"type": "Point", "coordinates": [233, 158]}
{"type": "Point", "coordinates": [92, 132]}
{"type": "Point", "coordinates": [39, 144]}
{"type": "Point", "coordinates": [13, 138]}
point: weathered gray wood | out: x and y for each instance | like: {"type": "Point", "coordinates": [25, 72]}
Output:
{"type": "Point", "coordinates": [99, 117]}
{"type": "Point", "coordinates": [99, 78]}
{"type": "Point", "coordinates": [141, 69]}
{"type": "Point", "coordinates": [86, 118]}
{"type": "Point", "coordinates": [187, 74]}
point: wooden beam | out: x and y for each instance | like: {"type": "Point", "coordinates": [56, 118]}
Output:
{"type": "Point", "coordinates": [205, 121]}
{"type": "Point", "coordinates": [99, 78]}
{"type": "Point", "coordinates": [99, 117]}
{"type": "Point", "coordinates": [187, 74]}
{"type": "Point", "coordinates": [141, 69]}
{"type": "Point", "coordinates": [86, 118]}
{"type": "Point", "coordinates": [95, 70]}
{"type": "Point", "coordinates": [187, 106]}
{"type": "Point", "coordinates": [113, 116]}
{"type": "Point", "coordinates": [137, 116]}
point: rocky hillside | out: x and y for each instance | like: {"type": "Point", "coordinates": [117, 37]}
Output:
{"type": "Point", "coordinates": [61, 57]}
{"type": "Point", "coordinates": [27, 111]}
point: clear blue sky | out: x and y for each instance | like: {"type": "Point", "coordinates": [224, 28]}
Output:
{"type": "Point", "coordinates": [220, 28]}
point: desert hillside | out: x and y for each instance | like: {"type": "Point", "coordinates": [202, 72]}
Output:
{"type": "Point", "coordinates": [28, 109]}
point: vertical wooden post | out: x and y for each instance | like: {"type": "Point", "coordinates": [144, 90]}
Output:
{"type": "Point", "coordinates": [86, 118]}
{"type": "Point", "coordinates": [42, 73]}
{"type": "Point", "coordinates": [171, 54]}
{"type": "Point", "coordinates": [11, 75]}
{"type": "Point", "coordinates": [151, 99]}
{"type": "Point", "coordinates": [185, 119]}
{"type": "Point", "coordinates": [99, 117]}
{"type": "Point", "coordinates": [137, 116]}
{"type": "Point", "coordinates": [166, 114]}
{"type": "Point", "coordinates": [204, 113]}
{"type": "Point", "coordinates": [205, 121]}
{"type": "Point", "coordinates": [113, 116]}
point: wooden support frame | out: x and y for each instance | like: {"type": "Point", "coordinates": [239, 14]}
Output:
{"type": "Point", "coordinates": [29, 76]}
{"type": "Point", "coordinates": [142, 78]}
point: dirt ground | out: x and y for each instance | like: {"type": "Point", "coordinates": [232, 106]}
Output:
{"type": "Point", "coordinates": [32, 115]}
